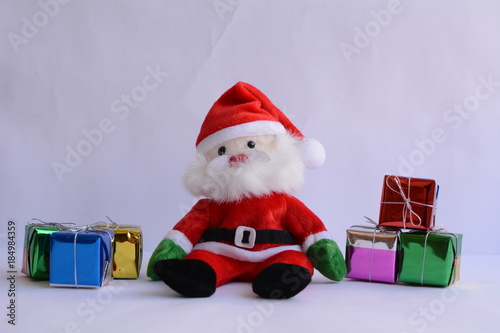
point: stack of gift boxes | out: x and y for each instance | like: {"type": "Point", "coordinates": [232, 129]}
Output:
{"type": "Point", "coordinates": [405, 245]}
{"type": "Point", "coordinates": [69, 255]}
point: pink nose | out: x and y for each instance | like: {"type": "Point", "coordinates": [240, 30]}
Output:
{"type": "Point", "coordinates": [235, 160]}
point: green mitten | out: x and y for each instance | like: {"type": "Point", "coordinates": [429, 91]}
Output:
{"type": "Point", "coordinates": [167, 249]}
{"type": "Point", "coordinates": [327, 259]}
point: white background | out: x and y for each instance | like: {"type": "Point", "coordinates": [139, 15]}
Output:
{"type": "Point", "coordinates": [379, 83]}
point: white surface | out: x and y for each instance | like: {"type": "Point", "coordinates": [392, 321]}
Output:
{"type": "Point", "coordinates": [470, 305]}
{"type": "Point", "coordinates": [373, 109]}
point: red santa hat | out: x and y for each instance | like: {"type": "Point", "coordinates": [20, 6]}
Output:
{"type": "Point", "coordinates": [243, 110]}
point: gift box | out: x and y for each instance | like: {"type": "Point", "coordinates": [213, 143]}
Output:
{"type": "Point", "coordinates": [127, 257]}
{"type": "Point", "coordinates": [371, 253]}
{"type": "Point", "coordinates": [408, 202]}
{"type": "Point", "coordinates": [81, 258]}
{"type": "Point", "coordinates": [36, 252]}
{"type": "Point", "coordinates": [431, 258]}
{"type": "Point", "coordinates": [24, 267]}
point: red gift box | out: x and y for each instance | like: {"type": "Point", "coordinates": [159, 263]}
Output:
{"type": "Point", "coordinates": [408, 202]}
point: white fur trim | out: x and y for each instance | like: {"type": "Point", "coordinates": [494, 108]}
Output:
{"type": "Point", "coordinates": [283, 173]}
{"type": "Point", "coordinates": [314, 238]}
{"type": "Point", "coordinates": [237, 253]}
{"type": "Point", "coordinates": [180, 239]}
{"type": "Point", "coordinates": [313, 153]}
{"type": "Point", "coordinates": [259, 127]}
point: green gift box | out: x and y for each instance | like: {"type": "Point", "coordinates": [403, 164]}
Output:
{"type": "Point", "coordinates": [36, 253]}
{"type": "Point", "coordinates": [430, 258]}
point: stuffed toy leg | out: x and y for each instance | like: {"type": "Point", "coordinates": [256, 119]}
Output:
{"type": "Point", "coordinates": [282, 276]}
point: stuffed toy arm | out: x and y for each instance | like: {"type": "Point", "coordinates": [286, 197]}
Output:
{"type": "Point", "coordinates": [323, 252]}
{"type": "Point", "coordinates": [167, 249]}
{"type": "Point", "coordinates": [179, 241]}
{"type": "Point", "coordinates": [327, 259]}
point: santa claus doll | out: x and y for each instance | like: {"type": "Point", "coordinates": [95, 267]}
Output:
{"type": "Point", "coordinates": [250, 160]}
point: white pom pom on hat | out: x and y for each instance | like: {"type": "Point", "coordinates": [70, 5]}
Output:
{"type": "Point", "coordinates": [243, 110]}
{"type": "Point", "coordinates": [313, 153]}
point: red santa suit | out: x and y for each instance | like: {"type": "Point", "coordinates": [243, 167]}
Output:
{"type": "Point", "coordinates": [239, 239]}
{"type": "Point", "coordinates": [261, 236]}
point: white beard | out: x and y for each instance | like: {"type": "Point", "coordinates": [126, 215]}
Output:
{"type": "Point", "coordinates": [280, 170]}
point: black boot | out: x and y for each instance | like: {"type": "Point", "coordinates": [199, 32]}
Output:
{"type": "Point", "coordinates": [281, 281]}
{"type": "Point", "coordinates": [188, 277]}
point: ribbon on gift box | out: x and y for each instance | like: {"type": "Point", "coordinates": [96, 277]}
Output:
{"type": "Point", "coordinates": [58, 225]}
{"type": "Point", "coordinates": [407, 202]}
{"type": "Point", "coordinates": [435, 230]}
{"type": "Point", "coordinates": [376, 227]}
{"type": "Point", "coordinates": [105, 227]}
{"type": "Point", "coordinates": [33, 226]}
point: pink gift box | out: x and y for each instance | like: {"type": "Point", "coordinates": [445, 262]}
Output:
{"type": "Point", "coordinates": [371, 254]}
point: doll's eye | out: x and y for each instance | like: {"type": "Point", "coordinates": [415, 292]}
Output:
{"type": "Point", "coordinates": [251, 144]}
{"type": "Point", "coordinates": [222, 150]}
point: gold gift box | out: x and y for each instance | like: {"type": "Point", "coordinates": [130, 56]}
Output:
{"type": "Point", "coordinates": [127, 252]}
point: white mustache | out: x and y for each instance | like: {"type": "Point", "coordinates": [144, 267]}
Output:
{"type": "Point", "coordinates": [221, 163]}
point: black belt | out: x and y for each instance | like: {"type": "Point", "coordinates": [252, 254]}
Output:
{"type": "Point", "coordinates": [247, 237]}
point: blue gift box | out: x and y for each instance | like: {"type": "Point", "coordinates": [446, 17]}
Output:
{"type": "Point", "coordinates": [81, 258]}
